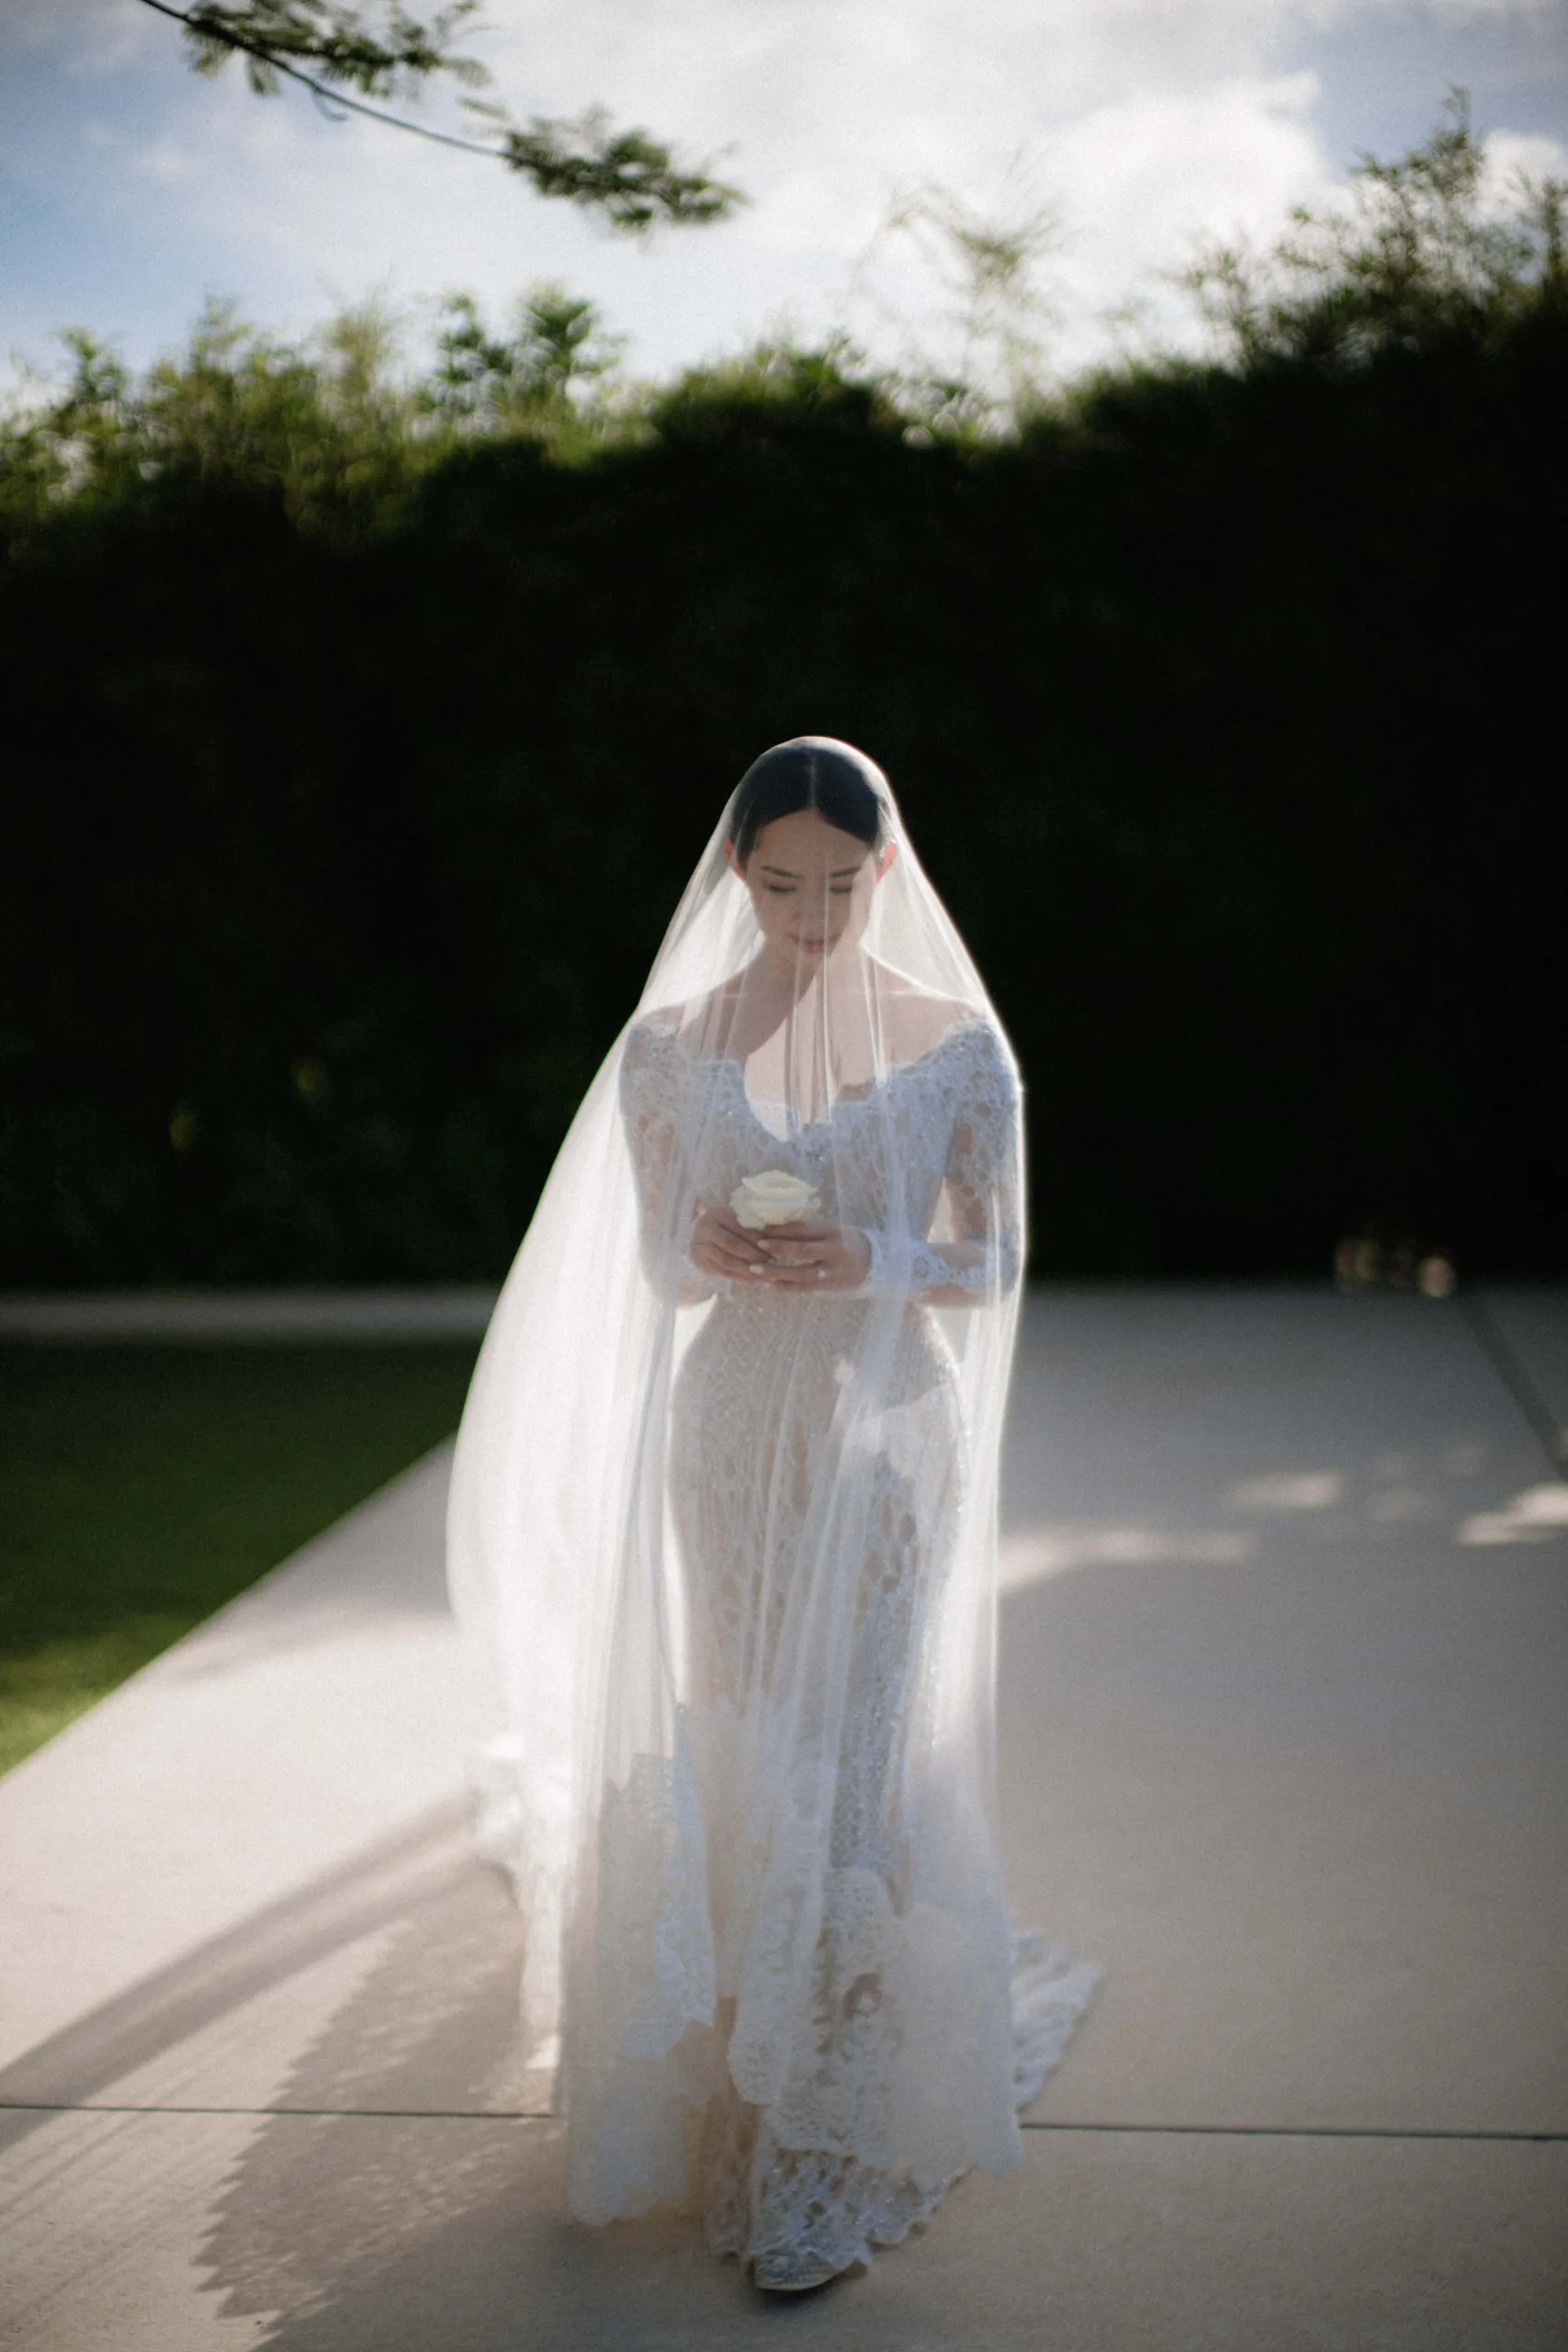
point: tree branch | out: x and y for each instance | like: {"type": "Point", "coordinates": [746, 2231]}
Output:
{"type": "Point", "coordinates": [630, 176]}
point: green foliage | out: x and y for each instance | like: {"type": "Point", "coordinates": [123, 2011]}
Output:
{"type": "Point", "coordinates": [374, 723]}
{"type": "Point", "coordinates": [270, 35]}
{"type": "Point", "coordinates": [483, 380]}
{"type": "Point", "coordinates": [330, 427]}
{"type": "Point", "coordinates": [629, 177]}
{"type": "Point", "coordinates": [1417, 253]}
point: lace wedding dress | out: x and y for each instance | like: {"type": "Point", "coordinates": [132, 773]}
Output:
{"type": "Point", "coordinates": [919, 2019]}
{"type": "Point", "coordinates": [724, 1555]}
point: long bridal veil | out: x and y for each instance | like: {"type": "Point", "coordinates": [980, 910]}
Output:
{"type": "Point", "coordinates": [724, 1559]}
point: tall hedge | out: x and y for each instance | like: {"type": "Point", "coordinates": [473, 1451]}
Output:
{"type": "Point", "coordinates": [1224, 702]}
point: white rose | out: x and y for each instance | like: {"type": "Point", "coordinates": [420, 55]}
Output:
{"type": "Point", "coordinates": [775, 1197]}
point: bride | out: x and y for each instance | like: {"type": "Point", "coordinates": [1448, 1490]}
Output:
{"type": "Point", "coordinates": [722, 1540]}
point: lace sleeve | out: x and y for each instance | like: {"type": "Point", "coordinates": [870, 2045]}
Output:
{"type": "Point", "coordinates": [649, 1097]}
{"type": "Point", "coordinates": [982, 1186]}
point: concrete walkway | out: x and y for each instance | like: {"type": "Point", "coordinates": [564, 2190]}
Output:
{"type": "Point", "coordinates": [1284, 1741]}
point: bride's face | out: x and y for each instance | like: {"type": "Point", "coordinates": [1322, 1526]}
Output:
{"type": "Point", "coordinates": [811, 885]}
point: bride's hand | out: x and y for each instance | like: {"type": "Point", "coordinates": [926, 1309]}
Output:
{"type": "Point", "coordinates": [722, 1246]}
{"type": "Point", "coordinates": [814, 1257]}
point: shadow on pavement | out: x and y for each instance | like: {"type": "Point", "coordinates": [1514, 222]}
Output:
{"type": "Point", "coordinates": [421, 1875]}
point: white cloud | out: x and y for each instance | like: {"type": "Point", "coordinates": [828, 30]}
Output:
{"type": "Point", "coordinates": [168, 159]}
{"type": "Point", "coordinates": [1157, 174]}
{"type": "Point", "coordinates": [1513, 156]}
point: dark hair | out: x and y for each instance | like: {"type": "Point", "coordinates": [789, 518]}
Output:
{"type": "Point", "coordinates": [811, 771]}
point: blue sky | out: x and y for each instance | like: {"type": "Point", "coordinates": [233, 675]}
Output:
{"type": "Point", "coordinates": [130, 189]}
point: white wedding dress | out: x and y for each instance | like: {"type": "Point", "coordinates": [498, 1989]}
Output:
{"type": "Point", "coordinates": [798, 2155]}
{"type": "Point", "coordinates": [724, 1556]}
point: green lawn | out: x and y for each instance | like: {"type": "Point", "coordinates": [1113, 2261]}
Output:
{"type": "Point", "coordinates": [142, 1485]}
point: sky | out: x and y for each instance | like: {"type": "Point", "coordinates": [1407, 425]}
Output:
{"type": "Point", "coordinates": [1123, 130]}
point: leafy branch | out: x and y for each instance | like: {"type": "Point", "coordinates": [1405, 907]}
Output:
{"type": "Point", "coordinates": [333, 50]}
{"type": "Point", "coordinates": [1420, 247]}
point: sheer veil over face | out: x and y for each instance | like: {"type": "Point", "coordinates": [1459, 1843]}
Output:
{"type": "Point", "coordinates": [723, 1547]}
